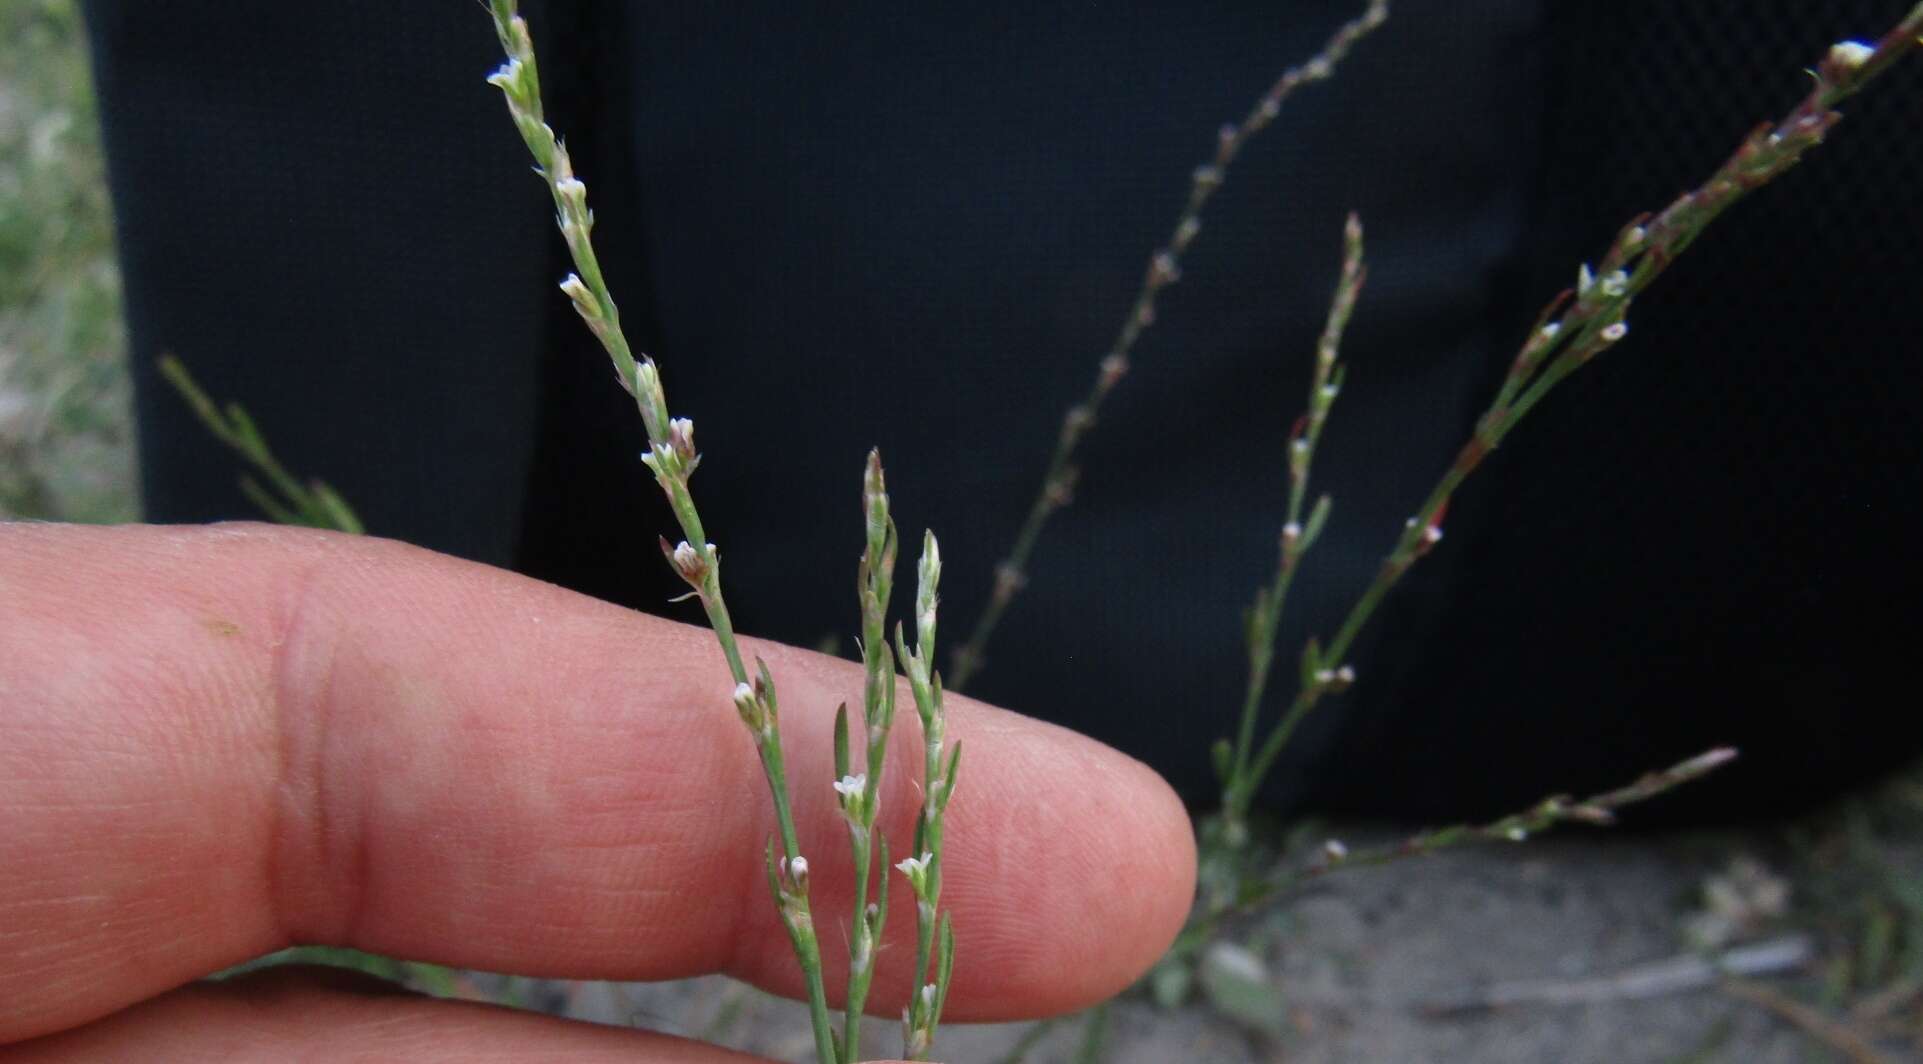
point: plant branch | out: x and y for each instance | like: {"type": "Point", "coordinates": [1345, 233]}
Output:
{"type": "Point", "coordinates": [672, 458]}
{"type": "Point", "coordinates": [1264, 616]}
{"type": "Point", "coordinates": [1597, 810]}
{"type": "Point", "coordinates": [313, 504]}
{"type": "Point", "coordinates": [1164, 268]}
{"type": "Point", "coordinates": [1580, 322]}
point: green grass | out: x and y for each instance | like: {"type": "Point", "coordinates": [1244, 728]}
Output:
{"type": "Point", "coordinates": [66, 443]}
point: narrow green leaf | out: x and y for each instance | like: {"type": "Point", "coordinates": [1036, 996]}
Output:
{"type": "Point", "coordinates": [334, 509]}
{"type": "Point", "coordinates": [1311, 661]}
{"type": "Point", "coordinates": [1221, 753]}
{"type": "Point", "coordinates": [268, 505]}
{"type": "Point", "coordinates": [1238, 985]}
{"type": "Point", "coordinates": [881, 889]}
{"type": "Point", "coordinates": [767, 684]}
{"type": "Point", "coordinates": [944, 966]}
{"type": "Point", "coordinates": [1318, 516]}
{"type": "Point", "coordinates": [841, 740]}
{"type": "Point", "coordinates": [948, 777]}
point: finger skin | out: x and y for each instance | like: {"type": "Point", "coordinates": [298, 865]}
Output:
{"type": "Point", "coordinates": [218, 742]}
{"type": "Point", "coordinates": [305, 1017]}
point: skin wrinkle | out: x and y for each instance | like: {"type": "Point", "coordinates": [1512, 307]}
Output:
{"type": "Point", "coordinates": [300, 785]}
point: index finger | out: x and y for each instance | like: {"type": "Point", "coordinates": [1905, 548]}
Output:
{"type": "Point", "coordinates": [223, 741]}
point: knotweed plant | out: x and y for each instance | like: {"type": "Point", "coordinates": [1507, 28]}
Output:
{"type": "Point", "coordinates": [673, 459]}
{"type": "Point", "coordinates": [1577, 325]}
{"type": "Point", "coordinates": [285, 498]}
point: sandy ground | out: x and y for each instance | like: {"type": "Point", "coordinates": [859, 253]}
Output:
{"type": "Point", "coordinates": [1363, 961]}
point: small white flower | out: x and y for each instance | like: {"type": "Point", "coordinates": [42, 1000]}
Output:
{"type": "Point", "coordinates": [852, 786]}
{"type": "Point", "coordinates": [1615, 331]}
{"type": "Point", "coordinates": [577, 290]}
{"type": "Point", "coordinates": [743, 693]}
{"type": "Point", "coordinates": [681, 437]}
{"type": "Point", "coordinates": [1550, 330]}
{"type": "Point", "coordinates": [1431, 536]}
{"type": "Point", "coordinates": [795, 869]}
{"type": "Point", "coordinates": [1345, 675]}
{"type": "Point", "coordinates": [1335, 850]}
{"type": "Point", "coordinates": [685, 557]}
{"type": "Point", "coordinates": [571, 190]}
{"type": "Point", "coordinates": [927, 996]}
{"type": "Point", "coordinates": [1292, 531]}
{"type": "Point", "coordinates": [1635, 237]}
{"type": "Point", "coordinates": [1851, 54]}
{"type": "Point", "coordinates": [1517, 834]}
{"type": "Point", "coordinates": [915, 867]}
{"type": "Point", "coordinates": [1615, 284]}
{"type": "Point", "coordinates": [508, 74]}
{"type": "Point", "coordinates": [1585, 280]}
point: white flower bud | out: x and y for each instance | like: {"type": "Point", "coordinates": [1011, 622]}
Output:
{"type": "Point", "coordinates": [578, 291]}
{"type": "Point", "coordinates": [1851, 54]}
{"type": "Point", "coordinates": [852, 786]}
{"type": "Point", "coordinates": [748, 704]}
{"type": "Point", "coordinates": [794, 874]}
{"type": "Point", "coordinates": [508, 77]}
{"type": "Point", "coordinates": [1585, 280]}
{"type": "Point", "coordinates": [1615, 331]}
{"type": "Point", "coordinates": [1334, 850]}
{"type": "Point", "coordinates": [916, 869]}
{"type": "Point", "coordinates": [681, 437]}
{"type": "Point", "coordinates": [1615, 284]}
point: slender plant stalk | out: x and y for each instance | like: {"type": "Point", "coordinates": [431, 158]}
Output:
{"type": "Point", "coordinates": [1094, 1040]}
{"type": "Point", "coordinates": [860, 794]}
{"type": "Point", "coordinates": [1596, 810]}
{"type": "Point", "coordinates": [1164, 269]}
{"type": "Point", "coordinates": [312, 505]}
{"type": "Point", "coordinates": [1577, 325]}
{"type": "Point", "coordinates": [934, 934]}
{"type": "Point", "coordinates": [672, 458]}
{"type": "Point", "coordinates": [1265, 615]}
{"type": "Point", "coordinates": [1032, 1037]}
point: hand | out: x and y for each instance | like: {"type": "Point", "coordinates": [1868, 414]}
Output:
{"type": "Point", "coordinates": [218, 742]}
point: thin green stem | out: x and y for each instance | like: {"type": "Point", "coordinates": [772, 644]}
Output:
{"type": "Point", "coordinates": [862, 805]}
{"type": "Point", "coordinates": [1580, 323]}
{"type": "Point", "coordinates": [1265, 615]}
{"type": "Point", "coordinates": [1164, 268]}
{"type": "Point", "coordinates": [1597, 810]}
{"type": "Point", "coordinates": [673, 459]}
{"type": "Point", "coordinates": [314, 505]}
{"type": "Point", "coordinates": [934, 938]}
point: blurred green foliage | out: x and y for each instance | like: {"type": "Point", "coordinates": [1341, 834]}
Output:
{"type": "Point", "coordinates": [66, 448]}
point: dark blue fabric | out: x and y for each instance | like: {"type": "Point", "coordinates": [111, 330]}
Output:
{"type": "Point", "coordinates": [921, 231]}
